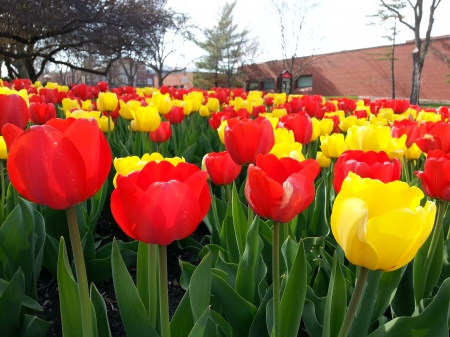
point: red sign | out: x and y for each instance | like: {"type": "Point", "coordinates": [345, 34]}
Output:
{"type": "Point", "coordinates": [286, 74]}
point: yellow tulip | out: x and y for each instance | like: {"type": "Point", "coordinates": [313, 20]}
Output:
{"type": "Point", "coordinates": [380, 226]}
{"type": "Point", "coordinates": [413, 152]}
{"type": "Point", "coordinates": [107, 101]}
{"type": "Point", "coordinates": [372, 138]}
{"type": "Point", "coordinates": [221, 131]}
{"type": "Point", "coordinates": [326, 126]}
{"type": "Point", "coordinates": [347, 123]}
{"type": "Point", "coordinates": [213, 104]}
{"type": "Point", "coordinates": [283, 135]}
{"type": "Point", "coordinates": [293, 150]}
{"type": "Point", "coordinates": [102, 122]}
{"type": "Point", "coordinates": [428, 117]}
{"type": "Point", "coordinates": [322, 160]}
{"type": "Point", "coordinates": [147, 119]}
{"type": "Point", "coordinates": [125, 166]}
{"type": "Point", "coordinates": [279, 112]}
{"type": "Point", "coordinates": [332, 146]}
{"type": "Point", "coordinates": [69, 104]}
{"type": "Point", "coordinates": [77, 114]}
{"type": "Point", "coordinates": [162, 102]}
{"type": "Point", "coordinates": [3, 150]}
{"type": "Point", "coordinates": [86, 105]}
{"type": "Point", "coordinates": [204, 112]}
{"type": "Point", "coordinates": [279, 98]}
{"type": "Point", "coordinates": [126, 108]}
{"type": "Point", "coordinates": [316, 129]}
{"type": "Point", "coordinates": [187, 107]}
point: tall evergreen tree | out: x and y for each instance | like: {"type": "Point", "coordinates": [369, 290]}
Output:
{"type": "Point", "coordinates": [224, 47]}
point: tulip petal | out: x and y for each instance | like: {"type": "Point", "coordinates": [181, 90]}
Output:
{"type": "Point", "coordinates": [169, 211]}
{"type": "Point", "coordinates": [50, 168]}
{"type": "Point", "coordinates": [396, 236]}
{"type": "Point", "coordinates": [94, 149]}
{"type": "Point", "coordinates": [348, 222]}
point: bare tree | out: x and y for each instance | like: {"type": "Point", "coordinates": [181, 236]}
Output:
{"type": "Point", "coordinates": [421, 46]}
{"type": "Point", "coordinates": [386, 17]}
{"type": "Point", "coordinates": [291, 17]}
{"type": "Point", "coordinates": [35, 33]}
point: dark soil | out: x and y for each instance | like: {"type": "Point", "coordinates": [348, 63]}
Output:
{"type": "Point", "coordinates": [47, 286]}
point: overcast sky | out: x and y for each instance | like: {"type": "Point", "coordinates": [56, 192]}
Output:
{"type": "Point", "coordinates": [334, 25]}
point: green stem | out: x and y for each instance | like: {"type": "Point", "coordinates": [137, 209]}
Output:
{"type": "Point", "coordinates": [228, 193]}
{"type": "Point", "coordinates": [276, 279]}
{"type": "Point", "coordinates": [163, 293]}
{"type": "Point", "coordinates": [158, 148]}
{"type": "Point", "coordinates": [406, 170]}
{"type": "Point", "coordinates": [431, 250]}
{"type": "Point", "coordinates": [354, 302]}
{"type": "Point", "coordinates": [2, 200]}
{"type": "Point", "coordinates": [153, 283]}
{"type": "Point", "coordinates": [80, 269]}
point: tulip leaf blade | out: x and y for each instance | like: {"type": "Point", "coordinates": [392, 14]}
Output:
{"type": "Point", "coordinates": [238, 312]}
{"type": "Point", "coordinates": [258, 327]}
{"type": "Point", "coordinates": [319, 225]}
{"type": "Point", "coordinates": [228, 237]}
{"type": "Point", "coordinates": [433, 321]}
{"type": "Point", "coordinates": [33, 326]}
{"type": "Point", "coordinates": [199, 328]}
{"type": "Point", "coordinates": [248, 266]}
{"type": "Point", "coordinates": [336, 303]}
{"type": "Point", "coordinates": [101, 316]}
{"type": "Point", "coordinates": [294, 294]}
{"type": "Point", "coordinates": [239, 221]}
{"type": "Point", "coordinates": [134, 316]}
{"type": "Point", "coordinates": [183, 320]}
{"type": "Point", "coordinates": [11, 304]}
{"type": "Point", "coordinates": [69, 295]}
{"type": "Point", "coordinates": [200, 288]}
{"type": "Point", "coordinates": [424, 283]}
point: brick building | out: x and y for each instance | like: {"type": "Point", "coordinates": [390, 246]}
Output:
{"type": "Point", "coordinates": [361, 72]}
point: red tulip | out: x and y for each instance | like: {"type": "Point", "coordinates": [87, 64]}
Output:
{"type": "Point", "coordinates": [51, 95]}
{"type": "Point", "coordinates": [436, 175]}
{"type": "Point", "coordinates": [162, 133]}
{"type": "Point", "coordinates": [300, 124]}
{"type": "Point", "coordinates": [176, 115]}
{"type": "Point", "coordinates": [14, 110]}
{"type": "Point", "coordinates": [217, 117]}
{"type": "Point", "coordinates": [58, 164]}
{"type": "Point", "coordinates": [245, 139]}
{"type": "Point", "coordinates": [280, 189]}
{"type": "Point", "coordinates": [42, 112]}
{"type": "Point", "coordinates": [374, 165]}
{"type": "Point", "coordinates": [411, 129]}
{"type": "Point", "coordinates": [222, 170]}
{"type": "Point", "coordinates": [258, 110]}
{"type": "Point", "coordinates": [161, 203]}
{"type": "Point", "coordinates": [437, 138]}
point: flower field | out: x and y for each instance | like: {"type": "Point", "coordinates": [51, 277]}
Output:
{"type": "Point", "coordinates": [325, 217]}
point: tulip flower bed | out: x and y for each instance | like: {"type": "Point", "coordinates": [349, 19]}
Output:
{"type": "Point", "coordinates": [290, 215]}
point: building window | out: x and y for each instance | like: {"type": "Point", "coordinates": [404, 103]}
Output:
{"type": "Point", "coordinates": [253, 85]}
{"type": "Point", "coordinates": [149, 81]}
{"type": "Point", "coordinates": [304, 81]}
{"type": "Point", "coordinates": [268, 84]}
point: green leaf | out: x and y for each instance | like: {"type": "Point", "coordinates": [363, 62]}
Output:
{"type": "Point", "coordinates": [33, 326]}
{"type": "Point", "coordinates": [363, 316]}
{"type": "Point", "coordinates": [50, 260]}
{"type": "Point", "coordinates": [239, 221]}
{"type": "Point", "coordinates": [289, 251]}
{"type": "Point", "coordinates": [228, 237]}
{"type": "Point", "coordinates": [238, 312]}
{"type": "Point", "coordinates": [294, 295]}
{"type": "Point", "coordinates": [221, 324]}
{"type": "Point", "coordinates": [132, 310]}
{"type": "Point", "coordinates": [386, 289]}
{"type": "Point", "coordinates": [68, 296]}
{"type": "Point", "coordinates": [27, 301]}
{"type": "Point", "coordinates": [319, 225]}
{"type": "Point", "coordinates": [336, 301]}
{"type": "Point", "coordinates": [17, 242]}
{"type": "Point", "coordinates": [248, 266]}
{"type": "Point", "coordinates": [189, 152]}
{"type": "Point", "coordinates": [200, 288]}
{"type": "Point", "coordinates": [309, 317]}
{"type": "Point", "coordinates": [100, 312]}
{"type": "Point", "coordinates": [182, 321]}
{"type": "Point", "coordinates": [403, 302]}
{"type": "Point", "coordinates": [11, 304]}
{"type": "Point", "coordinates": [147, 270]}
{"type": "Point", "coordinates": [199, 328]}
{"type": "Point", "coordinates": [258, 327]}
{"type": "Point", "coordinates": [422, 290]}
{"type": "Point", "coordinates": [433, 321]}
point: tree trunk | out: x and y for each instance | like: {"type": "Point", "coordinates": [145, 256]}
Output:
{"type": "Point", "coordinates": [415, 83]}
